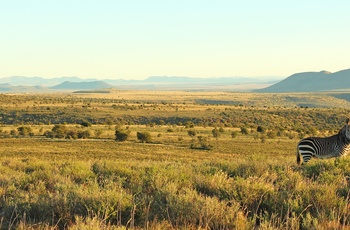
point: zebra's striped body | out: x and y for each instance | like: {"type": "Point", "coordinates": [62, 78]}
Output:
{"type": "Point", "coordinates": [327, 147]}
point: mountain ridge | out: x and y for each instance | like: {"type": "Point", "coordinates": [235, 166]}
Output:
{"type": "Point", "coordinates": [20, 83]}
{"type": "Point", "coordinates": [311, 82]}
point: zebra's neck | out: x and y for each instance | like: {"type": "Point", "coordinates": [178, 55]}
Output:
{"type": "Point", "coordinates": [345, 145]}
{"type": "Point", "coordinates": [345, 141]}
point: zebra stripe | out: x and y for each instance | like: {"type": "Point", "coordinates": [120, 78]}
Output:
{"type": "Point", "coordinates": [327, 147]}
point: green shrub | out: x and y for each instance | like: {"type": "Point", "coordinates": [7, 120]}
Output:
{"type": "Point", "coordinates": [260, 129]}
{"type": "Point", "coordinates": [84, 134]}
{"type": "Point", "coordinates": [244, 130]}
{"type": "Point", "coordinates": [25, 131]}
{"type": "Point", "coordinates": [85, 124]}
{"type": "Point", "coordinates": [144, 137]}
{"type": "Point", "coordinates": [121, 135]}
{"type": "Point", "coordinates": [59, 131]}
{"type": "Point", "coordinates": [72, 134]}
{"type": "Point", "coordinates": [191, 133]}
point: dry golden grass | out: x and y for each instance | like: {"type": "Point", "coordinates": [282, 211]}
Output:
{"type": "Point", "coordinates": [249, 181]}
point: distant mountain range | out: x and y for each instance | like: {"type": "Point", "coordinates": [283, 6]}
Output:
{"type": "Point", "coordinates": [312, 82]}
{"type": "Point", "coordinates": [38, 84]}
{"type": "Point", "coordinates": [299, 82]}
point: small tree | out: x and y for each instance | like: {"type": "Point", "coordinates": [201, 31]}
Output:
{"type": "Point", "coordinates": [244, 130]}
{"type": "Point", "coordinates": [144, 137]}
{"type": "Point", "coordinates": [13, 132]}
{"type": "Point", "coordinates": [59, 131]}
{"type": "Point", "coordinates": [189, 124]}
{"type": "Point", "coordinates": [216, 133]}
{"type": "Point", "coordinates": [72, 134]}
{"type": "Point", "coordinates": [25, 131]}
{"type": "Point", "coordinates": [49, 134]}
{"type": "Point", "coordinates": [85, 124]}
{"type": "Point", "coordinates": [84, 134]}
{"type": "Point", "coordinates": [121, 135]}
{"type": "Point", "coordinates": [191, 133]}
{"type": "Point", "coordinates": [203, 143]}
{"type": "Point", "coordinates": [260, 129]}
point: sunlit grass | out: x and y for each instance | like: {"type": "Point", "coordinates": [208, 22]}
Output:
{"type": "Point", "coordinates": [238, 184]}
{"type": "Point", "coordinates": [177, 180]}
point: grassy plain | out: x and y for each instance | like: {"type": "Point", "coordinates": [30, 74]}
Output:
{"type": "Point", "coordinates": [241, 181]}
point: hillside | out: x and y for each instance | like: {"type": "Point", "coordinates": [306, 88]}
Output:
{"type": "Point", "coordinates": [312, 82]}
{"type": "Point", "coordinates": [68, 85]}
{"type": "Point", "coordinates": [22, 88]}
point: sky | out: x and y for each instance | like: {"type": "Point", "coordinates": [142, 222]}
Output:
{"type": "Point", "coordinates": [136, 39]}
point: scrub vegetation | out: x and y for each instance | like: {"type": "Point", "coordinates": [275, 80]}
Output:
{"type": "Point", "coordinates": [168, 160]}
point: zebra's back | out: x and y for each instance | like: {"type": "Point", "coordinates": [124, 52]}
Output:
{"type": "Point", "coordinates": [318, 147]}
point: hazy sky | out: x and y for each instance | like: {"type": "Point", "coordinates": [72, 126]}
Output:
{"type": "Point", "coordinates": [134, 39]}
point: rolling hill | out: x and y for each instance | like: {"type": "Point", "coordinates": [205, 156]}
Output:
{"type": "Point", "coordinates": [68, 85]}
{"type": "Point", "coordinates": [311, 82]}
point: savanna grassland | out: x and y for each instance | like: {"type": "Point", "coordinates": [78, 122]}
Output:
{"type": "Point", "coordinates": [170, 160]}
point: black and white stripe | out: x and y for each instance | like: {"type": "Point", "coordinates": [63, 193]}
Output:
{"type": "Point", "coordinates": [327, 147]}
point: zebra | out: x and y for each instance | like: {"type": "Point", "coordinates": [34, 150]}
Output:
{"type": "Point", "coordinates": [334, 146]}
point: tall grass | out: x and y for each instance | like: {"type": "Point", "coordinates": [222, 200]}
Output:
{"type": "Point", "coordinates": [239, 184]}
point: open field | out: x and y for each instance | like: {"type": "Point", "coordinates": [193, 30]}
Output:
{"type": "Point", "coordinates": [214, 160]}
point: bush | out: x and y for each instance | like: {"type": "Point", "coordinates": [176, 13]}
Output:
{"type": "Point", "coordinates": [85, 124]}
{"type": "Point", "coordinates": [271, 134]}
{"type": "Point", "coordinates": [59, 131]}
{"type": "Point", "coordinates": [191, 133]}
{"type": "Point", "coordinates": [49, 134]}
{"type": "Point", "coordinates": [234, 134]}
{"type": "Point", "coordinates": [244, 130]}
{"type": "Point", "coordinates": [72, 134]}
{"type": "Point", "coordinates": [25, 131]}
{"type": "Point", "coordinates": [144, 137]}
{"type": "Point", "coordinates": [260, 129]}
{"type": "Point", "coordinates": [13, 132]}
{"type": "Point", "coordinates": [121, 135]}
{"type": "Point", "coordinates": [215, 132]}
{"type": "Point", "coordinates": [84, 134]}
{"type": "Point", "coordinates": [98, 133]}
{"type": "Point", "coordinates": [203, 143]}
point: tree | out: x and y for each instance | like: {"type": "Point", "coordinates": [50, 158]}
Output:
{"type": "Point", "coordinates": [244, 130]}
{"type": "Point", "coordinates": [59, 131]}
{"type": "Point", "coordinates": [144, 137]}
{"type": "Point", "coordinates": [71, 134]}
{"type": "Point", "coordinates": [191, 133]}
{"type": "Point", "coordinates": [260, 129]}
{"type": "Point", "coordinates": [25, 131]}
{"type": "Point", "coordinates": [121, 135]}
{"type": "Point", "coordinates": [84, 134]}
